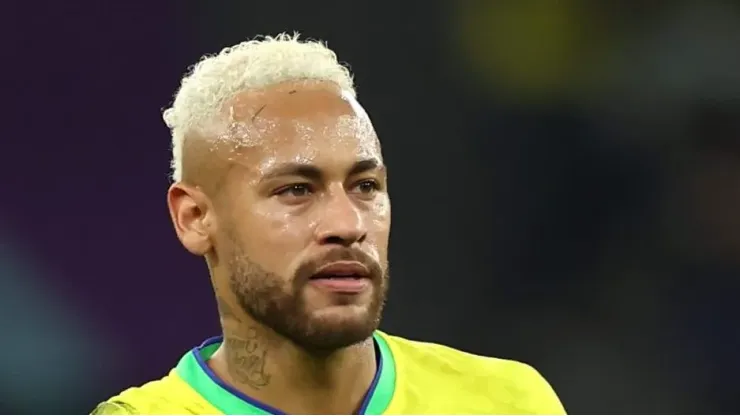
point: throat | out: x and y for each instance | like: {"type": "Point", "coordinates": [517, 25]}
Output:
{"type": "Point", "coordinates": [247, 362]}
{"type": "Point", "coordinates": [279, 376]}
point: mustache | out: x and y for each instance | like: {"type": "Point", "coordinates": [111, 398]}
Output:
{"type": "Point", "coordinates": [311, 267]}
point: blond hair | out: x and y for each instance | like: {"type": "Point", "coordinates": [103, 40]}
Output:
{"type": "Point", "coordinates": [253, 64]}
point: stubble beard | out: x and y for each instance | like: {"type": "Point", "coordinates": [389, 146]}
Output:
{"type": "Point", "coordinates": [281, 306]}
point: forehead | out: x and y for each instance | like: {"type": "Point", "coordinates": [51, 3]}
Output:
{"type": "Point", "coordinates": [307, 122]}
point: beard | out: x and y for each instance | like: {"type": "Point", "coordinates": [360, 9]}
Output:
{"type": "Point", "coordinates": [281, 305]}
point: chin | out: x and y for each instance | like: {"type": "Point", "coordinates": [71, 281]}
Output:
{"type": "Point", "coordinates": [336, 327]}
{"type": "Point", "coordinates": [341, 316]}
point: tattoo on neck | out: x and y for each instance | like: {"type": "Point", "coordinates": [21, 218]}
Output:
{"type": "Point", "coordinates": [246, 357]}
{"type": "Point", "coordinates": [225, 309]}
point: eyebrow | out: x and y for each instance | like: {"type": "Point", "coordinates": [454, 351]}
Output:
{"type": "Point", "coordinates": [312, 172]}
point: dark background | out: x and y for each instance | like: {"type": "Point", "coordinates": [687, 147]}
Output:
{"type": "Point", "coordinates": [565, 183]}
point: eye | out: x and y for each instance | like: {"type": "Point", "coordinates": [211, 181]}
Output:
{"type": "Point", "coordinates": [367, 186]}
{"type": "Point", "coordinates": [297, 190]}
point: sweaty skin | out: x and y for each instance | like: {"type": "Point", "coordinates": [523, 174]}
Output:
{"type": "Point", "coordinates": [293, 182]}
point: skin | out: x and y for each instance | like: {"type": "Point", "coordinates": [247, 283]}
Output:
{"type": "Point", "coordinates": [295, 182]}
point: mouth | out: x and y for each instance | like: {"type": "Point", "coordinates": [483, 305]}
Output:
{"type": "Point", "coordinates": [342, 270]}
{"type": "Point", "coordinates": [342, 277]}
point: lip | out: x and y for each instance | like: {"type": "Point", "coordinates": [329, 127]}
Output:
{"type": "Point", "coordinates": [343, 269]}
{"type": "Point", "coordinates": [345, 285]}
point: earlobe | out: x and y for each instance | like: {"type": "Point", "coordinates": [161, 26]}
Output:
{"type": "Point", "coordinates": [191, 216]}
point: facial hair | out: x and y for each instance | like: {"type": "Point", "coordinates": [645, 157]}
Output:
{"type": "Point", "coordinates": [280, 304]}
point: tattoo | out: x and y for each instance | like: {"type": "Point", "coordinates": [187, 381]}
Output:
{"type": "Point", "coordinates": [225, 309]}
{"type": "Point", "coordinates": [247, 357]}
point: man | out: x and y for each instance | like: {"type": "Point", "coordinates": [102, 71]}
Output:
{"type": "Point", "coordinates": [279, 184]}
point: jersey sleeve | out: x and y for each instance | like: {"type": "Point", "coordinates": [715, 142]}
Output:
{"type": "Point", "coordinates": [114, 408]}
{"type": "Point", "coordinates": [542, 399]}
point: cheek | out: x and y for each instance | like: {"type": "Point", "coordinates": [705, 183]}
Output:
{"type": "Point", "coordinates": [382, 210]}
{"type": "Point", "coordinates": [379, 224]}
{"type": "Point", "coordinates": [279, 231]}
{"type": "Point", "coordinates": [272, 240]}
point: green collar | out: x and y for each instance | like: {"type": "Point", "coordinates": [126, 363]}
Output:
{"type": "Point", "coordinates": [193, 369]}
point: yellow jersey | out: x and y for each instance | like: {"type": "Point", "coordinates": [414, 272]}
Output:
{"type": "Point", "coordinates": [412, 378]}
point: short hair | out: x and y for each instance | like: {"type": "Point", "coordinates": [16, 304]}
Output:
{"type": "Point", "coordinates": [253, 64]}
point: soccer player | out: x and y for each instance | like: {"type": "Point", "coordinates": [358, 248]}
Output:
{"type": "Point", "coordinates": [279, 184]}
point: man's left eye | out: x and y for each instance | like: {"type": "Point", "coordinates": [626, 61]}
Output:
{"type": "Point", "coordinates": [367, 187]}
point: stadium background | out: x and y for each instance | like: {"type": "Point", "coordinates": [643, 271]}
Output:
{"type": "Point", "coordinates": [565, 180]}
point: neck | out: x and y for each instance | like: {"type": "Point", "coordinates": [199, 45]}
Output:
{"type": "Point", "coordinates": [263, 365]}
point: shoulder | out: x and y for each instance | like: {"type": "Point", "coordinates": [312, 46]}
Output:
{"type": "Point", "coordinates": [114, 408]}
{"type": "Point", "coordinates": [144, 399]}
{"type": "Point", "coordinates": [168, 395]}
{"type": "Point", "coordinates": [517, 385]}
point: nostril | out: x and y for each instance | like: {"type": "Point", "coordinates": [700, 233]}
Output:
{"type": "Point", "coordinates": [335, 240]}
{"type": "Point", "coordinates": [344, 241]}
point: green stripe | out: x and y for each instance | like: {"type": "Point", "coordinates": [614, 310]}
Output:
{"type": "Point", "coordinates": [189, 370]}
{"type": "Point", "coordinates": [383, 393]}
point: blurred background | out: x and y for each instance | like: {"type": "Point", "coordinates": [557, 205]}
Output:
{"type": "Point", "coordinates": [580, 209]}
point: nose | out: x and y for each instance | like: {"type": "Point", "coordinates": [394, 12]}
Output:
{"type": "Point", "coordinates": [342, 222]}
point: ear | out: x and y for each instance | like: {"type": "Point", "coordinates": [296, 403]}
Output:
{"type": "Point", "coordinates": [193, 217]}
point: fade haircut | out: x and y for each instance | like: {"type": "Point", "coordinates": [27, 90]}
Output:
{"type": "Point", "coordinates": [250, 65]}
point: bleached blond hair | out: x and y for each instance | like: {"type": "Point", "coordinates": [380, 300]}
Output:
{"type": "Point", "coordinates": [253, 64]}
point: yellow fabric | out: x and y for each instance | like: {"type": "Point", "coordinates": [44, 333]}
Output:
{"type": "Point", "coordinates": [167, 396]}
{"type": "Point", "coordinates": [434, 379]}
{"type": "Point", "coordinates": [430, 379]}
